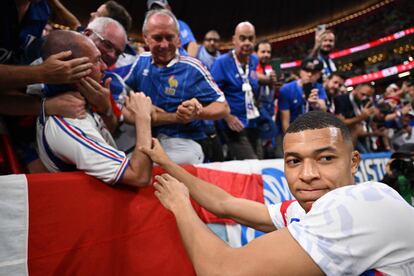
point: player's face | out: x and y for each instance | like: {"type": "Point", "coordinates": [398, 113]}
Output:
{"type": "Point", "coordinates": [316, 162]}
{"type": "Point", "coordinates": [264, 53]}
{"type": "Point", "coordinates": [162, 38]}
{"type": "Point", "coordinates": [244, 39]}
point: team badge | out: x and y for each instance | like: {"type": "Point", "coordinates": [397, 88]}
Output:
{"type": "Point", "coordinates": [172, 85]}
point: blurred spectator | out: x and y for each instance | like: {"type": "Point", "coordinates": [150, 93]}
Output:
{"type": "Point", "coordinates": [209, 51]}
{"type": "Point", "coordinates": [324, 45]}
{"type": "Point", "coordinates": [298, 97]}
{"type": "Point", "coordinates": [235, 74]}
{"type": "Point", "coordinates": [266, 99]}
{"type": "Point", "coordinates": [355, 109]}
{"type": "Point", "coordinates": [332, 87]}
{"type": "Point", "coordinates": [110, 9]}
{"type": "Point", "coordinates": [188, 95]}
{"type": "Point", "coordinates": [207, 54]}
{"type": "Point", "coordinates": [399, 172]}
{"type": "Point", "coordinates": [30, 18]}
{"type": "Point", "coordinates": [187, 39]}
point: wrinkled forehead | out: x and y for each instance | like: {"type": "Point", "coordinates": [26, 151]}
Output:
{"type": "Point", "coordinates": [162, 22]}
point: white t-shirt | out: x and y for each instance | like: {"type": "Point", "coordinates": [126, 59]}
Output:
{"type": "Point", "coordinates": [82, 144]}
{"type": "Point", "coordinates": [357, 228]}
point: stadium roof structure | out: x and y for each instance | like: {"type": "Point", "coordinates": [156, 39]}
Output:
{"type": "Point", "coordinates": [273, 19]}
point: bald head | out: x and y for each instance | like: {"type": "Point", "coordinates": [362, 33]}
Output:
{"type": "Point", "coordinates": [58, 41]}
{"type": "Point", "coordinates": [244, 39]}
{"type": "Point", "coordinates": [80, 46]}
{"type": "Point", "coordinates": [244, 26]}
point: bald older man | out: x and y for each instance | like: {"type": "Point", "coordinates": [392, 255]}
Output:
{"type": "Point", "coordinates": [235, 74]}
{"type": "Point", "coordinates": [85, 144]}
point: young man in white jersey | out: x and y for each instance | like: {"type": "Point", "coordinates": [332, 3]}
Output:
{"type": "Point", "coordinates": [334, 227]}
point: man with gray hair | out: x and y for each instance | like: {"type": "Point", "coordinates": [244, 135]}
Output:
{"type": "Point", "coordinates": [180, 85]}
{"type": "Point", "coordinates": [109, 36]}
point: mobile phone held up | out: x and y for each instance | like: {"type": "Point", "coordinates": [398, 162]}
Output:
{"type": "Point", "coordinates": [275, 63]}
{"type": "Point", "coordinates": [307, 88]}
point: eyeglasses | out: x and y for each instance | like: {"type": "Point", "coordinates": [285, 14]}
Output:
{"type": "Point", "coordinates": [211, 39]}
{"type": "Point", "coordinates": [108, 45]}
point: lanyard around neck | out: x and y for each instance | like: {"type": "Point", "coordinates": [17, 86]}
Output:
{"type": "Point", "coordinates": [244, 75]}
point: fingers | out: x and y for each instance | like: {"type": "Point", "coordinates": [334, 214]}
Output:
{"type": "Point", "coordinates": [80, 75]}
{"type": "Point", "coordinates": [81, 68]}
{"type": "Point", "coordinates": [93, 83]}
{"type": "Point", "coordinates": [78, 61]}
{"type": "Point", "coordinates": [62, 55]}
{"type": "Point", "coordinates": [108, 83]}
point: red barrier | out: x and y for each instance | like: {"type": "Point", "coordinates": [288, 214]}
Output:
{"type": "Point", "coordinates": [79, 226]}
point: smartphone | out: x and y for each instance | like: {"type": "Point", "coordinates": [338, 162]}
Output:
{"type": "Point", "coordinates": [320, 28]}
{"type": "Point", "coordinates": [275, 63]}
{"type": "Point", "coordinates": [307, 88]}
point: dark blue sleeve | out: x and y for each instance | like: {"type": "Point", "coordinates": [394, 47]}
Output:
{"type": "Point", "coordinates": [284, 99]}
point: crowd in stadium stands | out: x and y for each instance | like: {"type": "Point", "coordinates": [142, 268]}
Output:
{"type": "Point", "coordinates": [206, 106]}
{"type": "Point", "coordinates": [377, 24]}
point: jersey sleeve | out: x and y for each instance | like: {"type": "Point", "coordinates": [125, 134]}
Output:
{"type": "Point", "coordinates": [275, 215]}
{"type": "Point", "coordinates": [82, 145]}
{"type": "Point", "coordinates": [205, 89]}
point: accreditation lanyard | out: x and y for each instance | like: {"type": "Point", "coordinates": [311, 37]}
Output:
{"type": "Point", "coordinates": [251, 109]}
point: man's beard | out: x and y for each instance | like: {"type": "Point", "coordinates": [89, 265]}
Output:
{"type": "Point", "coordinates": [324, 52]}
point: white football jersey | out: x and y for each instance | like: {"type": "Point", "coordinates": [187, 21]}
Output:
{"type": "Point", "coordinates": [358, 228]}
{"type": "Point", "coordinates": [80, 144]}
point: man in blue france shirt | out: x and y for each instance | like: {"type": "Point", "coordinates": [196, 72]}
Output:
{"type": "Point", "coordinates": [180, 86]}
{"type": "Point", "coordinates": [235, 74]}
{"type": "Point", "coordinates": [294, 100]}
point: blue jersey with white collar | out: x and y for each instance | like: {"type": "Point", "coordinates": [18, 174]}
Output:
{"type": "Point", "coordinates": [182, 79]}
{"type": "Point", "coordinates": [224, 72]}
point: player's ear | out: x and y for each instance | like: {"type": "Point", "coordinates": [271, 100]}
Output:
{"type": "Point", "coordinates": [355, 160]}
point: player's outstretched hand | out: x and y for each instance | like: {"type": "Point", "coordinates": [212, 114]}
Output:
{"type": "Point", "coordinates": [171, 192]}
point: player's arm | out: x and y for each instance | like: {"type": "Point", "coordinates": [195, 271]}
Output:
{"type": "Point", "coordinates": [276, 253]}
{"type": "Point", "coordinates": [213, 198]}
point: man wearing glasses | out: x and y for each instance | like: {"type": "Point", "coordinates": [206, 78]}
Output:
{"type": "Point", "coordinates": [209, 51]}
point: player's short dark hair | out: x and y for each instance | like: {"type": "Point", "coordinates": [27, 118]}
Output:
{"type": "Point", "coordinates": [119, 13]}
{"type": "Point", "coordinates": [319, 120]}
